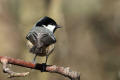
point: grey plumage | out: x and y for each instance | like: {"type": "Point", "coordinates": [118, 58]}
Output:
{"type": "Point", "coordinates": [42, 38]}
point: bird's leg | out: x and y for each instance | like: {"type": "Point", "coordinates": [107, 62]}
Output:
{"type": "Point", "coordinates": [44, 64]}
{"type": "Point", "coordinates": [46, 59]}
{"type": "Point", "coordinates": [49, 50]}
{"type": "Point", "coordinates": [34, 58]}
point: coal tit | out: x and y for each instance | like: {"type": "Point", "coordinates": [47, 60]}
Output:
{"type": "Point", "coordinates": [41, 37]}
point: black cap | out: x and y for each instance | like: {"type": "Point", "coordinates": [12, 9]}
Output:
{"type": "Point", "coordinates": [46, 21]}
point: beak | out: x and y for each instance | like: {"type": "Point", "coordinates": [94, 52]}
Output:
{"type": "Point", "coordinates": [58, 26]}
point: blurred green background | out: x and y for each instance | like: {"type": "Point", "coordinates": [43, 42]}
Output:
{"type": "Point", "coordinates": [88, 42]}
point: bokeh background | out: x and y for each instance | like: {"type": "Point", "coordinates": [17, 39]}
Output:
{"type": "Point", "coordinates": [88, 42]}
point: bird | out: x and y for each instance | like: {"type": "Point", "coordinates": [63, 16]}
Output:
{"type": "Point", "coordinates": [41, 39]}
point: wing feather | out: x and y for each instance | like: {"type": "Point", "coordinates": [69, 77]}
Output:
{"type": "Point", "coordinates": [47, 39]}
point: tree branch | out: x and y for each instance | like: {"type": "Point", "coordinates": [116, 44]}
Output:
{"type": "Point", "coordinates": [42, 67]}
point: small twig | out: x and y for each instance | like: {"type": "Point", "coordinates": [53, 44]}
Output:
{"type": "Point", "coordinates": [42, 67]}
{"type": "Point", "coordinates": [11, 73]}
{"type": "Point", "coordinates": [64, 71]}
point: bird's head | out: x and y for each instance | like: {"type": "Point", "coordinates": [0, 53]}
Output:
{"type": "Point", "coordinates": [48, 23]}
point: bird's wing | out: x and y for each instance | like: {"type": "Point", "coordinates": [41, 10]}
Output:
{"type": "Point", "coordinates": [48, 39]}
{"type": "Point", "coordinates": [32, 37]}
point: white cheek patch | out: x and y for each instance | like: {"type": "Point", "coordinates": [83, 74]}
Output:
{"type": "Point", "coordinates": [50, 27]}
